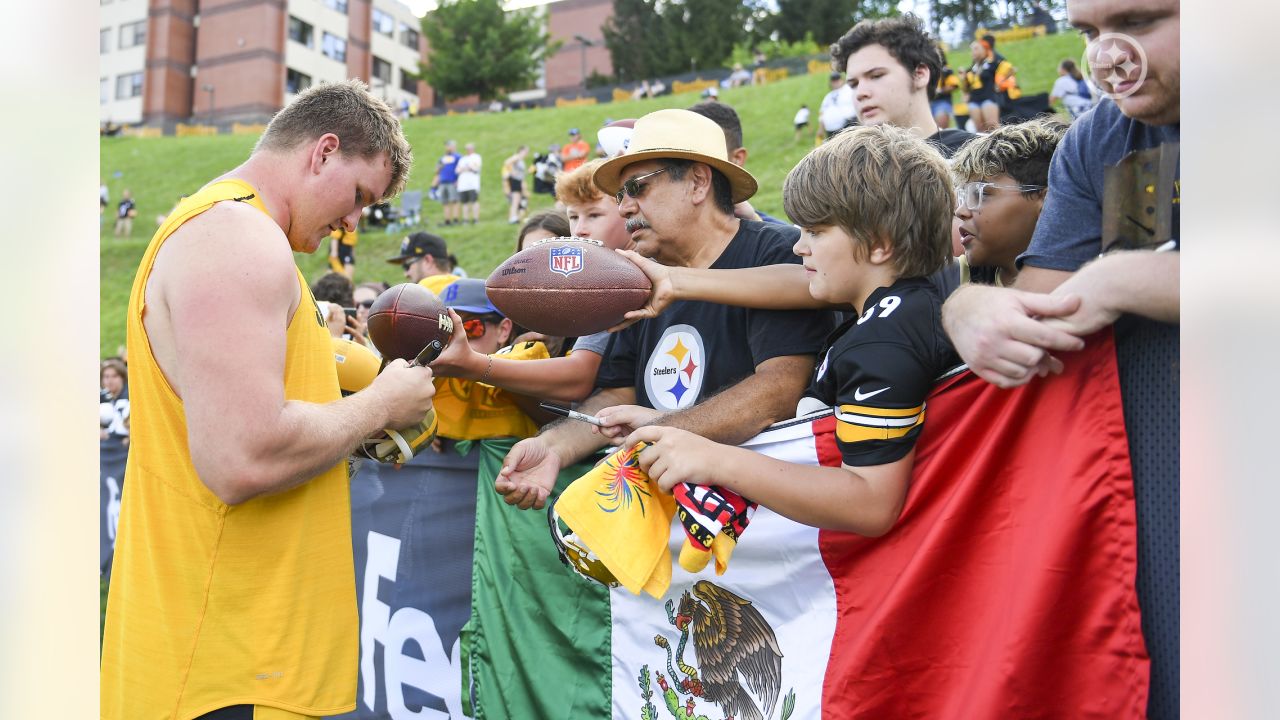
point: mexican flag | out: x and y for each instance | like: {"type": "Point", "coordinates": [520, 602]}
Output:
{"type": "Point", "coordinates": [1006, 590]}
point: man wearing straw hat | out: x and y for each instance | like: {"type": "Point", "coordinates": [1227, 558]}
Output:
{"type": "Point", "coordinates": [722, 372]}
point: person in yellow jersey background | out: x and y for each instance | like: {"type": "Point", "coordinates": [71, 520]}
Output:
{"type": "Point", "coordinates": [342, 251]}
{"type": "Point", "coordinates": [233, 589]}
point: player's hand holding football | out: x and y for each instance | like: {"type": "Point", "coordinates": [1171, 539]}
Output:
{"type": "Point", "coordinates": [405, 392]}
{"type": "Point", "coordinates": [662, 295]}
{"type": "Point", "coordinates": [528, 474]}
{"type": "Point", "coordinates": [675, 456]}
{"type": "Point", "coordinates": [622, 420]}
{"type": "Point", "coordinates": [998, 332]}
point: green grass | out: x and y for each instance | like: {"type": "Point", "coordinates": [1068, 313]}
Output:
{"type": "Point", "coordinates": [158, 170]}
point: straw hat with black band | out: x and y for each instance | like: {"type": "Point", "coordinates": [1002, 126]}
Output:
{"type": "Point", "coordinates": [677, 134]}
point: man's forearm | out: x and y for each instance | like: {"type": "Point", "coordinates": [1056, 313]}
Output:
{"type": "Point", "coordinates": [573, 440]}
{"type": "Point", "coordinates": [1140, 282]}
{"type": "Point", "coordinates": [744, 410]}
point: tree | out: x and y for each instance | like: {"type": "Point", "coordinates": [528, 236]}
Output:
{"type": "Point", "coordinates": [825, 20]}
{"type": "Point", "coordinates": [478, 48]}
{"type": "Point", "coordinates": [652, 38]}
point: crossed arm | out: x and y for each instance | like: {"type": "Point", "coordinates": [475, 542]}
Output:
{"type": "Point", "coordinates": [1009, 335]}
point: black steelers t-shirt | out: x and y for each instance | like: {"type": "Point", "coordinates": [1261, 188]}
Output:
{"type": "Point", "coordinates": [878, 369]}
{"type": "Point", "coordinates": [695, 349]}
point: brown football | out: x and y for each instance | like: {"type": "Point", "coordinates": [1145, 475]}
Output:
{"type": "Point", "coordinates": [407, 318]}
{"type": "Point", "coordinates": [568, 287]}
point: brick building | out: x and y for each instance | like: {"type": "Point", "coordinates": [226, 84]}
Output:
{"type": "Point", "coordinates": [164, 62]}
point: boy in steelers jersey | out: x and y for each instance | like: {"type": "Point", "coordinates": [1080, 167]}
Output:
{"type": "Point", "coordinates": [874, 205]}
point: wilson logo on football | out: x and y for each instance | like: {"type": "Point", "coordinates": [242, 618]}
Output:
{"type": "Point", "coordinates": [566, 260]}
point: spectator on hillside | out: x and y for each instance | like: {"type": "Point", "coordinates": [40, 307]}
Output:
{"type": "Point", "coordinates": [469, 183]}
{"type": "Point", "coordinates": [893, 68]}
{"type": "Point", "coordinates": [546, 167]}
{"type": "Point", "coordinates": [576, 152]}
{"type": "Point", "coordinates": [801, 121]}
{"type": "Point", "coordinates": [445, 183]}
{"type": "Point", "coordinates": [837, 108]}
{"type": "Point", "coordinates": [113, 399]}
{"type": "Point", "coordinates": [948, 82]}
{"type": "Point", "coordinates": [513, 172]}
{"type": "Point", "coordinates": [1072, 89]}
{"type": "Point", "coordinates": [739, 76]}
{"type": "Point", "coordinates": [125, 213]}
{"type": "Point", "coordinates": [992, 82]}
{"type": "Point", "coordinates": [758, 59]}
{"type": "Point", "coordinates": [342, 251]}
{"type": "Point", "coordinates": [104, 198]}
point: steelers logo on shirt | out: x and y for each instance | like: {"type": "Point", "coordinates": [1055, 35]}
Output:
{"type": "Point", "coordinates": [673, 376]}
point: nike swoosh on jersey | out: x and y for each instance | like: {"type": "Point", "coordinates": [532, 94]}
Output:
{"type": "Point", "coordinates": [859, 396]}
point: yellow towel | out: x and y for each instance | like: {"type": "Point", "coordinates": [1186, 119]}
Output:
{"type": "Point", "coordinates": [622, 515]}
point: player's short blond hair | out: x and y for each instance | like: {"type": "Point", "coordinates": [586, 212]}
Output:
{"type": "Point", "coordinates": [878, 184]}
{"type": "Point", "coordinates": [366, 127]}
{"type": "Point", "coordinates": [575, 187]}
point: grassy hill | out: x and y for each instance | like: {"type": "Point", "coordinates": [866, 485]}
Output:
{"type": "Point", "coordinates": [159, 170]}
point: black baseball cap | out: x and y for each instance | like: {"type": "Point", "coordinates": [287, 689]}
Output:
{"type": "Point", "coordinates": [420, 244]}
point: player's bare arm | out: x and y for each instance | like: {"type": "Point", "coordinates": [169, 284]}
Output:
{"type": "Point", "coordinates": [740, 412]}
{"type": "Point", "coordinates": [219, 300]}
{"type": "Point", "coordinates": [862, 500]}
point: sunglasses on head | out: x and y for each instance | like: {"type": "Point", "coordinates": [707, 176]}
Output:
{"type": "Point", "coordinates": [633, 188]}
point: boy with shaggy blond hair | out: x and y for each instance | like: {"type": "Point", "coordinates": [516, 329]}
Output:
{"type": "Point", "coordinates": [874, 207]}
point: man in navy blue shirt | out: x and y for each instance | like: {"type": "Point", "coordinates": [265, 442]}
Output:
{"type": "Point", "coordinates": [1070, 286]}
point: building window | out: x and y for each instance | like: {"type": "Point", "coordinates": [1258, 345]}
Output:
{"type": "Point", "coordinates": [334, 47]}
{"type": "Point", "coordinates": [408, 36]}
{"type": "Point", "coordinates": [383, 23]}
{"type": "Point", "coordinates": [339, 5]}
{"type": "Point", "coordinates": [382, 70]}
{"type": "Point", "coordinates": [295, 82]}
{"type": "Point", "coordinates": [104, 41]}
{"type": "Point", "coordinates": [408, 81]}
{"type": "Point", "coordinates": [129, 86]}
{"type": "Point", "coordinates": [104, 92]}
{"type": "Point", "coordinates": [133, 34]}
{"type": "Point", "coordinates": [301, 33]}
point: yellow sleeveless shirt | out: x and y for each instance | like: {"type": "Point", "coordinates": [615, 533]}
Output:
{"type": "Point", "coordinates": [212, 605]}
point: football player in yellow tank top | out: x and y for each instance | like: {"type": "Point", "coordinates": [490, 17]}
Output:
{"type": "Point", "coordinates": [233, 587]}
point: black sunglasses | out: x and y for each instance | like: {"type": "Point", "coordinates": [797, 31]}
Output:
{"type": "Point", "coordinates": [633, 187]}
{"type": "Point", "coordinates": [409, 263]}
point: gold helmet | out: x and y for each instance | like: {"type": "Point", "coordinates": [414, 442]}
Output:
{"type": "Point", "coordinates": [399, 446]}
{"type": "Point", "coordinates": [573, 553]}
{"type": "Point", "coordinates": [357, 365]}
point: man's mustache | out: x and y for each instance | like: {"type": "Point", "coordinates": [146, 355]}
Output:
{"type": "Point", "coordinates": [636, 223]}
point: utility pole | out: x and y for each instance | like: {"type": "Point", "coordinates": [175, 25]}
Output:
{"type": "Point", "coordinates": [585, 44]}
{"type": "Point", "coordinates": [208, 87]}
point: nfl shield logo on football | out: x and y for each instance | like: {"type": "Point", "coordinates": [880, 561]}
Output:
{"type": "Point", "coordinates": [566, 260]}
